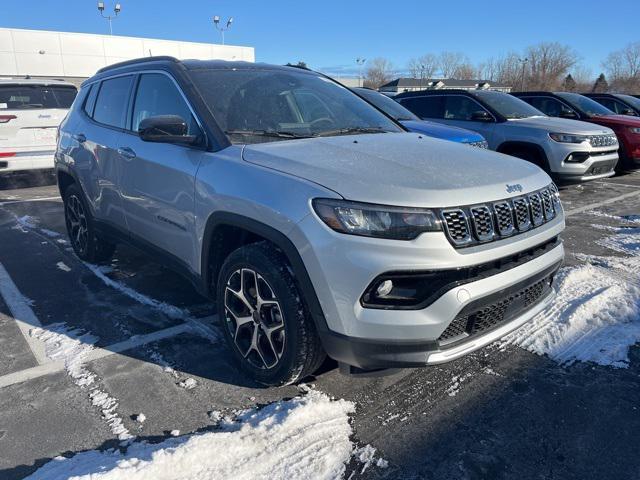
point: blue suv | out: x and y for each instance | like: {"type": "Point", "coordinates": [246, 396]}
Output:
{"type": "Point", "coordinates": [414, 124]}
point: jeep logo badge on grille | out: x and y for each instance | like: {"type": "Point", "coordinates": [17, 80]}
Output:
{"type": "Point", "coordinates": [516, 187]}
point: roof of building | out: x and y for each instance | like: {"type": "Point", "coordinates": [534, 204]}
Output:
{"type": "Point", "coordinates": [34, 81]}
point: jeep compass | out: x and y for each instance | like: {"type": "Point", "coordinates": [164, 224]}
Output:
{"type": "Point", "coordinates": [317, 223]}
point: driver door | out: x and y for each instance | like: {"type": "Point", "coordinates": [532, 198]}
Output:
{"type": "Point", "coordinates": [158, 179]}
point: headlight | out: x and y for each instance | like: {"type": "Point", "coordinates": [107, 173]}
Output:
{"type": "Point", "coordinates": [379, 221]}
{"type": "Point", "coordinates": [568, 138]}
{"type": "Point", "coordinates": [635, 129]}
{"type": "Point", "coordinates": [555, 197]}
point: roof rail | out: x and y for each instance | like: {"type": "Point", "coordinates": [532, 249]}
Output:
{"type": "Point", "coordinates": [135, 61]}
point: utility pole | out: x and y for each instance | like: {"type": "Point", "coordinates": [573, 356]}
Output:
{"type": "Point", "coordinates": [360, 62]}
{"type": "Point", "coordinates": [220, 28]}
{"type": "Point", "coordinates": [116, 10]}
{"type": "Point", "coordinates": [523, 61]}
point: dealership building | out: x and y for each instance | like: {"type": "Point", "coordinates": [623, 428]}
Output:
{"type": "Point", "coordinates": [76, 56]}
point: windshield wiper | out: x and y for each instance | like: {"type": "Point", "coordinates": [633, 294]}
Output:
{"type": "Point", "coordinates": [351, 130]}
{"type": "Point", "coordinates": [268, 133]}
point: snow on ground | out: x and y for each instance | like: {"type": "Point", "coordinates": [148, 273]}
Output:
{"type": "Point", "coordinates": [71, 346]}
{"type": "Point", "coordinates": [306, 437]}
{"type": "Point", "coordinates": [596, 315]}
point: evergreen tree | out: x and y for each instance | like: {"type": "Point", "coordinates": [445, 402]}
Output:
{"type": "Point", "coordinates": [601, 85]}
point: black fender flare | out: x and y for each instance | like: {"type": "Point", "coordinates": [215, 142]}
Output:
{"type": "Point", "coordinates": [280, 240]}
{"type": "Point", "coordinates": [508, 145]}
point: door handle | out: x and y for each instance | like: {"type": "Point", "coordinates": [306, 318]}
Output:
{"type": "Point", "coordinates": [126, 153]}
{"type": "Point", "coordinates": [80, 138]}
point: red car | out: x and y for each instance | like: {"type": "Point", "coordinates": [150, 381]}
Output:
{"type": "Point", "coordinates": [579, 107]}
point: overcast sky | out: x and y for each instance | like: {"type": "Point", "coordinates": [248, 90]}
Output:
{"type": "Point", "coordinates": [330, 34]}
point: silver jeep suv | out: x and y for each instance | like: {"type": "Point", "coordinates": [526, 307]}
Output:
{"type": "Point", "coordinates": [317, 223]}
{"type": "Point", "coordinates": [568, 149]}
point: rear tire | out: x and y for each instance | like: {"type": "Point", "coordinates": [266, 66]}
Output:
{"type": "Point", "coordinates": [85, 241]}
{"type": "Point", "coordinates": [264, 319]}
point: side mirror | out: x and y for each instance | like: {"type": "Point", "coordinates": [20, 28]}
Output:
{"type": "Point", "coordinates": [568, 114]}
{"type": "Point", "coordinates": [628, 111]}
{"type": "Point", "coordinates": [166, 129]}
{"type": "Point", "coordinates": [481, 116]}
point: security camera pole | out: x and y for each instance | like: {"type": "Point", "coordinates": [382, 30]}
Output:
{"type": "Point", "coordinates": [220, 28]}
{"type": "Point", "coordinates": [116, 11]}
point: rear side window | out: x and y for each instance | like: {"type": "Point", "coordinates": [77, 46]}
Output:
{"type": "Point", "coordinates": [112, 101]}
{"type": "Point", "coordinates": [158, 95]}
{"type": "Point", "coordinates": [548, 105]}
{"type": "Point", "coordinates": [424, 107]}
{"type": "Point", "coordinates": [34, 97]}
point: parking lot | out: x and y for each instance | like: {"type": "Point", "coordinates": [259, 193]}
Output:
{"type": "Point", "coordinates": [502, 412]}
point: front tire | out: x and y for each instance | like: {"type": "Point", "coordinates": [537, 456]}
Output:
{"type": "Point", "coordinates": [263, 317]}
{"type": "Point", "coordinates": [86, 243]}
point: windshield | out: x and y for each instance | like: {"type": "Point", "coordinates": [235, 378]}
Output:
{"type": "Point", "coordinates": [387, 105]}
{"type": "Point", "coordinates": [24, 97]}
{"type": "Point", "coordinates": [589, 107]}
{"type": "Point", "coordinates": [256, 105]}
{"type": "Point", "coordinates": [633, 101]}
{"type": "Point", "coordinates": [508, 106]}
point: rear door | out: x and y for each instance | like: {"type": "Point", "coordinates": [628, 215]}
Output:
{"type": "Point", "coordinates": [158, 179]}
{"type": "Point", "coordinates": [95, 153]}
{"type": "Point", "coordinates": [29, 117]}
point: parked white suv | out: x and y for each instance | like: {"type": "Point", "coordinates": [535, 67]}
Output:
{"type": "Point", "coordinates": [317, 223]}
{"type": "Point", "coordinates": [30, 112]}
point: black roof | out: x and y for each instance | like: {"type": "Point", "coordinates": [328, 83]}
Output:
{"type": "Point", "coordinates": [536, 93]}
{"type": "Point", "coordinates": [426, 82]}
{"type": "Point", "coordinates": [200, 64]}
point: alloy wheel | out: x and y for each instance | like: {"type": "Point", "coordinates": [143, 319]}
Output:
{"type": "Point", "coordinates": [77, 223]}
{"type": "Point", "coordinates": [254, 318]}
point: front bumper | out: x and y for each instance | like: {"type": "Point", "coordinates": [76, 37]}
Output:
{"type": "Point", "coordinates": [28, 160]}
{"type": "Point", "coordinates": [341, 267]}
{"type": "Point", "coordinates": [599, 163]}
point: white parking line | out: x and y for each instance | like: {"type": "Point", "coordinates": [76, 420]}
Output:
{"type": "Point", "coordinates": [616, 183]}
{"type": "Point", "coordinates": [26, 200]}
{"type": "Point", "coordinates": [97, 353]}
{"type": "Point", "coordinates": [22, 313]}
{"type": "Point", "coordinates": [591, 206]}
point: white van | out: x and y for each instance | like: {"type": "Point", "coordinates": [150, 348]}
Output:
{"type": "Point", "coordinates": [30, 112]}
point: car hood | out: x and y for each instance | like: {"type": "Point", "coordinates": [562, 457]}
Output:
{"type": "Point", "coordinates": [444, 132]}
{"type": "Point", "coordinates": [616, 121]}
{"type": "Point", "coordinates": [560, 125]}
{"type": "Point", "coordinates": [400, 168]}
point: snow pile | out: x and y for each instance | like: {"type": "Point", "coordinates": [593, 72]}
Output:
{"type": "Point", "coordinates": [594, 318]}
{"type": "Point", "coordinates": [71, 346]}
{"type": "Point", "coordinates": [188, 384]}
{"type": "Point", "coordinates": [303, 438]}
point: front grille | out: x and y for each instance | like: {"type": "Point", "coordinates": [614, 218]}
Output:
{"type": "Point", "coordinates": [603, 140]}
{"type": "Point", "coordinates": [475, 321]}
{"type": "Point", "coordinates": [466, 226]}
{"type": "Point", "coordinates": [457, 226]}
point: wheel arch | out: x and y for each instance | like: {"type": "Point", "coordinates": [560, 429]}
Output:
{"type": "Point", "coordinates": [225, 231]}
{"type": "Point", "coordinates": [514, 146]}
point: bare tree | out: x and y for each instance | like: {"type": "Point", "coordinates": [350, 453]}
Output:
{"type": "Point", "coordinates": [548, 63]}
{"type": "Point", "coordinates": [623, 68]}
{"type": "Point", "coordinates": [424, 66]}
{"type": "Point", "coordinates": [583, 77]}
{"type": "Point", "coordinates": [379, 72]}
{"type": "Point", "coordinates": [465, 71]}
{"type": "Point", "coordinates": [506, 69]}
{"type": "Point", "coordinates": [449, 62]}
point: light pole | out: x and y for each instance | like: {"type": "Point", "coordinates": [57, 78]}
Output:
{"type": "Point", "coordinates": [422, 69]}
{"type": "Point", "coordinates": [360, 62]}
{"type": "Point", "coordinates": [220, 28]}
{"type": "Point", "coordinates": [116, 11]}
{"type": "Point", "coordinates": [523, 61]}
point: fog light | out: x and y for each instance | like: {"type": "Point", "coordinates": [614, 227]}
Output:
{"type": "Point", "coordinates": [384, 289]}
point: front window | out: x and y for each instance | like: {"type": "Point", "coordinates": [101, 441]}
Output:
{"type": "Point", "coordinates": [33, 97]}
{"type": "Point", "coordinates": [256, 105]}
{"type": "Point", "coordinates": [633, 101]}
{"type": "Point", "coordinates": [589, 107]}
{"type": "Point", "coordinates": [508, 106]}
